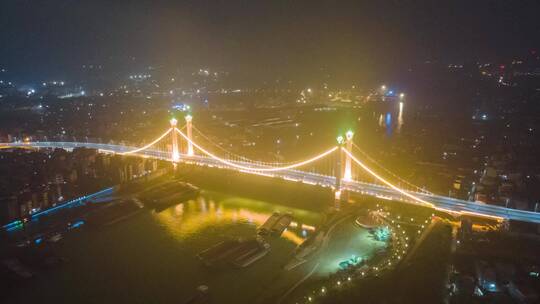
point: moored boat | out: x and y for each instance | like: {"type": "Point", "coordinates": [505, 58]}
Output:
{"type": "Point", "coordinates": [282, 224]}
{"type": "Point", "coordinates": [269, 223]}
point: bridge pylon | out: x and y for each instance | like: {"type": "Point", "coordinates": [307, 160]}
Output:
{"type": "Point", "coordinates": [175, 153]}
{"type": "Point", "coordinates": [338, 173]}
{"type": "Point", "coordinates": [189, 126]}
{"type": "Point", "coordinates": [347, 174]}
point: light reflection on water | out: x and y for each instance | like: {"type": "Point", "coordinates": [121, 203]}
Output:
{"type": "Point", "coordinates": [388, 123]}
{"type": "Point", "coordinates": [400, 120]}
{"type": "Point", "coordinates": [190, 219]}
{"type": "Point", "coordinates": [385, 121]}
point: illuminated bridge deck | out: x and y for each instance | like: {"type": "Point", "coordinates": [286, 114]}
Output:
{"type": "Point", "coordinates": [294, 175]}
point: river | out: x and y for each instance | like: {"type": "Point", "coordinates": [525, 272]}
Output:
{"type": "Point", "coordinates": [151, 257]}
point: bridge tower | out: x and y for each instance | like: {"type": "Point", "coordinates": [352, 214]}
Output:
{"type": "Point", "coordinates": [338, 172]}
{"type": "Point", "coordinates": [189, 124]}
{"type": "Point", "coordinates": [347, 174]}
{"type": "Point", "coordinates": [175, 154]}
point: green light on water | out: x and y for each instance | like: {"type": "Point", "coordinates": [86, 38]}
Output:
{"type": "Point", "coordinates": [382, 234]}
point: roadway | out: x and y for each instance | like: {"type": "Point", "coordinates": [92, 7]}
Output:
{"type": "Point", "coordinates": [442, 202]}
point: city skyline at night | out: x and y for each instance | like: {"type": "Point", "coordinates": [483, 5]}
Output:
{"type": "Point", "coordinates": [269, 152]}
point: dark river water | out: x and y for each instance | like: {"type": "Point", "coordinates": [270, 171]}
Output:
{"type": "Point", "coordinates": [151, 257]}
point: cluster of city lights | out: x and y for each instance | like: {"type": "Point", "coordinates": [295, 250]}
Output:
{"type": "Point", "coordinates": [140, 76]}
{"type": "Point", "coordinates": [389, 92]}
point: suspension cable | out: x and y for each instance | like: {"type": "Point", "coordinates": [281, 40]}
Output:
{"type": "Point", "coordinates": [390, 172]}
{"type": "Point", "coordinates": [292, 166]}
{"type": "Point", "coordinates": [238, 155]}
{"type": "Point", "coordinates": [367, 169]}
{"type": "Point", "coordinates": [219, 146]}
{"type": "Point", "coordinates": [148, 145]}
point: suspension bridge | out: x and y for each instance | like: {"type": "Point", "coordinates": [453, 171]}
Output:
{"type": "Point", "coordinates": [343, 167]}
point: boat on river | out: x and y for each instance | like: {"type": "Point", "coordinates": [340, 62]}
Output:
{"type": "Point", "coordinates": [282, 224]}
{"type": "Point", "coordinates": [253, 255]}
{"type": "Point", "coordinates": [239, 253]}
{"type": "Point", "coordinates": [266, 228]}
{"type": "Point", "coordinates": [218, 252]}
{"type": "Point", "coordinates": [182, 192]}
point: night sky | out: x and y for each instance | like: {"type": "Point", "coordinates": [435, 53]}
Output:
{"type": "Point", "coordinates": [55, 37]}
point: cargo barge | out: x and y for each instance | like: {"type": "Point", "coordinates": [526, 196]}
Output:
{"type": "Point", "coordinates": [282, 224]}
{"type": "Point", "coordinates": [218, 252]}
{"type": "Point", "coordinates": [182, 193]}
{"type": "Point", "coordinates": [236, 252]}
{"type": "Point", "coordinates": [254, 255]}
{"type": "Point", "coordinates": [112, 213]}
{"type": "Point", "coordinates": [269, 223]}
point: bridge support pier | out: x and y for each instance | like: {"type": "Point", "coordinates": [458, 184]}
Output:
{"type": "Point", "coordinates": [175, 153]}
{"type": "Point", "coordinates": [189, 124]}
